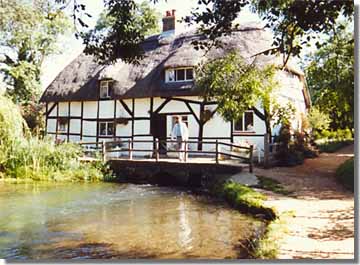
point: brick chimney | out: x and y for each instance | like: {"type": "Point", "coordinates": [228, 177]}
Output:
{"type": "Point", "coordinates": [169, 21]}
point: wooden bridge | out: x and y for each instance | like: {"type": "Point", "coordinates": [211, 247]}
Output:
{"type": "Point", "coordinates": [222, 154]}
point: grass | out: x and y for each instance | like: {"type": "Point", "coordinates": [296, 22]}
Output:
{"type": "Point", "coordinates": [267, 247]}
{"type": "Point", "coordinates": [272, 185]}
{"type": "Point", "coordinates": [247, 200]}
{"type": "Point", "coordinates": [345, 174]}
{"type": "Point", "coordinates": [331, 146]}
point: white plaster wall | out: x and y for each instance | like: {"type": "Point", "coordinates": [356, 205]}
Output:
{"type": "Point", "coordinates": [89, 128]}
{"type": "Point", "coordinates": [75, 125]}
{"type": "Point", "coordinates": [74, 138]}
{"type": "Point", "coordinates": [90, 109]}
{"type": "Point", "coordinates": [141, 126]}
{"type": "Point", "coordinates": [63, 108]}
{"type": "Point", "coordinates": [106, 109]}
{"type": "Point", "coordinates": [142, 107]}
{"type": "Point", "coordinates": [143, 146]}
{"type": "Point", "coordinates": [75, 108]}
{"type": "Point", "coordinates": [51, 125]}
{"type": "Point", "coordinates": [174, 106]}
{"type": "Point", "coordinates": [88, 139]}
{"type": "Point", "coordinates": [217, 127]}
{"type": "Point", "coordinates": [290, 90]}
{"type": "Point", "coordinates": [123, 130]}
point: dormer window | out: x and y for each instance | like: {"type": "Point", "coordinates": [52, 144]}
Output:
{"type": "Point", "coordinates": [179, 74]}
{"type": "Point", "coordinates": [105, 88]}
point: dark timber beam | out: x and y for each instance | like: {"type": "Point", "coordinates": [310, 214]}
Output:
{"type": "Point", "coordinates": [192, 112]}
{"type": "Point", "coordinates": [166, 101]}
{"type": "Point", "coordinates": [131, 113]}
{"type": "Point", "coordinates": [81, 121]}
{"type": "Point", "coordinates": [68, 127]}
{"type": "Point", "coordinates": [49, 110]}
{"type": "Point", "coordinates": [258, 113]}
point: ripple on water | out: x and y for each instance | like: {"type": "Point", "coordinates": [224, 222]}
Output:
{"type": "Point", "coordinates": [104, 220]}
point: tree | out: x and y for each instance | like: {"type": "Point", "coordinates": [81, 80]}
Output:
{"type": "Point", "coordinates": [291, 21]}
{"type": "Point", "coordinates": [330, 76]}
{"type": "Point", "coordinates": [318, 120]}
{"type": "Point", "coordinates": [237, 86]}
{"type": "Point", "coordinates": [28, 33]}
{"type": "Point", "coordinates": [120, 31]}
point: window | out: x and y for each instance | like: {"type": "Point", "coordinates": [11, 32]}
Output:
{"type": "Point", "coordinates": [184, 119]}
{"type": "Point", "coordinates": [106, 128]}
{"type": "Point", "coordinates": [179, 74]}
{"type": "Point", "coordinates": [246, 123]}
{"type": "Point", "coordinates": [62, 124]}
{"type": "Point", "coordinates": [105, 89]}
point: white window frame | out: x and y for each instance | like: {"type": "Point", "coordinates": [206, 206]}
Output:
{"type": "Point", "coordinates": [174, 74]}
{"type": "Point", "coordinates": [106, 128]}
{"type": "Point", "coordinates": [243, 123]}
{"type": "Point", "coordinates": [104, 84]}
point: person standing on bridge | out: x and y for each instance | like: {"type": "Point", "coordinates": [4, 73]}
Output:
{"type": "Point", "coordinates": [181, 133]}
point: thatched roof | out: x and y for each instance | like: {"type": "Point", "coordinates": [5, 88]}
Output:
{"type": "Point", "coordinates": [80, 79]}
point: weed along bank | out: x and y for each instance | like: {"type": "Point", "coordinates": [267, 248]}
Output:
{"type": "Point", "coordinates": [89, 102]}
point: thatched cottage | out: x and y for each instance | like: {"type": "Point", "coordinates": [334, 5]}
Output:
{"type": "Point", "coordinates": [92, 102]}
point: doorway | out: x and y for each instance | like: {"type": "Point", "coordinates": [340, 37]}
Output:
{"type": "Point", "coordinates": [158, 130]}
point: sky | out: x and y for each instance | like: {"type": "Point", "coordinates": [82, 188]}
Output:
{"type": "Point", "coordinates": [72, 47]}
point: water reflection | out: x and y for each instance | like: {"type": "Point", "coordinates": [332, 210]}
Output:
{"type": "Point", "coordinates": [104, 220]}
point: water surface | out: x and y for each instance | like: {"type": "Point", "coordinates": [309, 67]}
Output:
{"type": "Point", "coordinates": [103, 220]}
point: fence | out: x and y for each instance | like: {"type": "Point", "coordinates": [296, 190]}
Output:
{"type": "Point", "coordinates": [245, 153]}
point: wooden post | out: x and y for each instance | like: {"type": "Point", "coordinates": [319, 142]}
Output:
{"type": "Point", "coordinates": [130, 149]}
{"type": "Point", "coordinates": [266, 150]}
{"type": "Point", "coordinates": [157, 149]}
{"type": "Point", "coordinates": [185, 151]}
{"type": "Point", "coordinates": [217, 151]}
{"type": "Point", "coordinates": [251, 159]}
{"type": "Point", "coordinates": [103, 146]}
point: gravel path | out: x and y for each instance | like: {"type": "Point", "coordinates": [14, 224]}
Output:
{"type": "Point", "coordinates": [323, 225]}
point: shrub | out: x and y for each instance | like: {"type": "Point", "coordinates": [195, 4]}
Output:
{"type": "Point", "coordinates": [26, 157]}
{"type": "Point", "coordinates": [318, 120]}
{"type": "Point", "coordinates": [345, 174]}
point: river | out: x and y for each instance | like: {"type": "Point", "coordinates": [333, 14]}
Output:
{"type": "Point", "coordinates": [107, 220]}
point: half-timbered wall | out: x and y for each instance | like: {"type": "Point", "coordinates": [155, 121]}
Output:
{"type": "Point", "coordinates": [132, 118]}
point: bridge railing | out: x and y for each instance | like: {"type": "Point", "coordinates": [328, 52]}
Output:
{"type": "Point", "coordinates": [104, 148]}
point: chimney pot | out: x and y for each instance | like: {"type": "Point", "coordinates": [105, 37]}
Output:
{"type": "Point", "coordinates": [169, 21]}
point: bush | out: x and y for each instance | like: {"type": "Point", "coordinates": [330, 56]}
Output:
{"type": "Point", "coordinates": [25, 157]}
{"type": "Point", "coordinates": [340, 134]}
{"type": "Point", "coordinates": [290, 153]}
{"type": "Point", "coordinates": [345, 174]}
{"type": "Point", "coordinates": [331, 146]}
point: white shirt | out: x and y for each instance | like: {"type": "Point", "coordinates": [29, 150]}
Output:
{"type": "Point", "coordinates": [180, 130]}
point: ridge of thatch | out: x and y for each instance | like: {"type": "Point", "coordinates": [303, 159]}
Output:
{"type": "Point", "coordinates": [80, 79]}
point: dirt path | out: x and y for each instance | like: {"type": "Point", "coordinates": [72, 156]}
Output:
{"type": "Point", "coordinates": [323, 225]}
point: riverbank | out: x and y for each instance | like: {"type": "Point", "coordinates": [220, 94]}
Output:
{"type": "Point", "coordinates": [323, 222]}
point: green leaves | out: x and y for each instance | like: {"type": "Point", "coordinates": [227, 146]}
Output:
{"type": "Point", "coordinates": [28, 33]}
{"type": "Point", "coordinates": [330, 77]}
{"type": "Point", "coordinates": [236, 85]}
{"type": "Point", "coordinates": [120, 31]}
